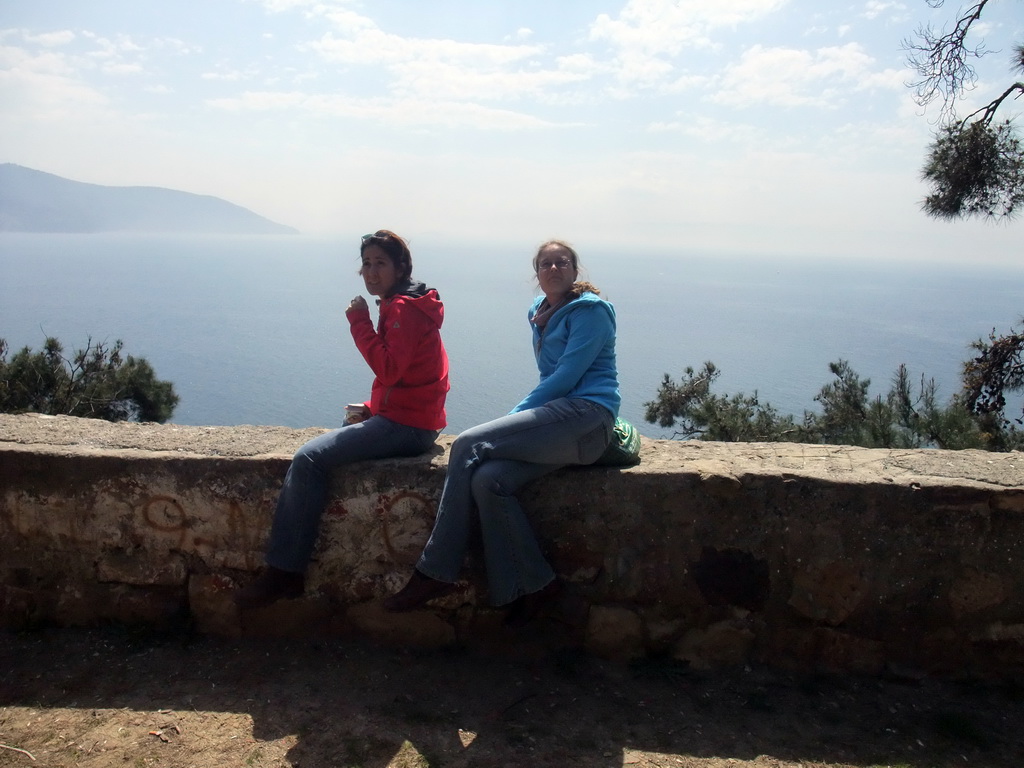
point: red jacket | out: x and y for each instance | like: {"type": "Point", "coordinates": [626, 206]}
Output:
{"type": "Point", "coordinates": [407, 357]}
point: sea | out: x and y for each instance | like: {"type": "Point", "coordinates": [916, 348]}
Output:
{"type": "Point", "coordinates": [251, 330]}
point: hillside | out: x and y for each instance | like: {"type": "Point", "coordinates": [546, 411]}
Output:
{"type": "Point", "coordinates": [34, 201]}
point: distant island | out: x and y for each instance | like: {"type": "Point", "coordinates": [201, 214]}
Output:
{"type": "Point", "coordinates": [34, 201]}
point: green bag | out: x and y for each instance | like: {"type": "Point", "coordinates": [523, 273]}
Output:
{"type": "Point", "coordinates": [624, 449]}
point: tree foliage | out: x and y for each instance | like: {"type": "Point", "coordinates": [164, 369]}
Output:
{"type": "Point", "coordinates": [975, 165]}
{"type": "Point", "coordinates": [691, 407]}
{"type": "Point", "coordinates": [908, 416]}
{"type": "Point", "coordinates": [975, 169]}
{"type": "Point", "coordinates": [997, 370]}
{"type": "Point", "coordinates": [96, 382]}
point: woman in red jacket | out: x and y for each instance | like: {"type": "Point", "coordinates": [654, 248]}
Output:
{"type": "Point", "coordinates": [403, 417]}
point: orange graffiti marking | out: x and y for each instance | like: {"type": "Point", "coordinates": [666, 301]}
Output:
{"type": "Point", "coordinates": [165, 514]}
{"type": "Point", "coordinates": [240, 532]}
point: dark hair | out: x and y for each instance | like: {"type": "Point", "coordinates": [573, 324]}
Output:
{"type": "Point", "coordinates": [395, 247]}
{"type": "Point", "coordinates": [580, 286]}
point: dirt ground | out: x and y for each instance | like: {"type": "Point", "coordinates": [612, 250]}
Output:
{"type": "Point", "coordinates": [112, 697]}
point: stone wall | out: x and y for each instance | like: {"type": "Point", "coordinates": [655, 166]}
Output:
{"type": "Point", "coordinates": [840, 558]}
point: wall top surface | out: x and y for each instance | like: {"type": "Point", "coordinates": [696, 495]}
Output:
{"type": "Point", "coordinates": [842, 464]}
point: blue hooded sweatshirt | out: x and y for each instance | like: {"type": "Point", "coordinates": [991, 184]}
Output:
{"type": "Point", "coordinates": [575, 354]}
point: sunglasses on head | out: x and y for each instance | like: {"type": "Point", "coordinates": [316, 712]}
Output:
{"type": "Point", "coordinates": [380, 234]}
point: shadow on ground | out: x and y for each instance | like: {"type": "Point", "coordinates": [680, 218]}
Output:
{"type": "Point", "coordinates": [111, 697]}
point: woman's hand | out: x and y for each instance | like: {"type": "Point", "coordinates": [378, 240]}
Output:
{"type": "Point", "coordinates": [357, 303]}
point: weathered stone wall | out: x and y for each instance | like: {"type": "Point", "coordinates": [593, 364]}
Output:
{"type": "Point", "coordinates": [828, 556]}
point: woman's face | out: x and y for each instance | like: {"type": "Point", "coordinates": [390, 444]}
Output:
{"type": "Point", "coordinates": [378, 271]}
{"type": "Point", "coordinates": [555, 271]}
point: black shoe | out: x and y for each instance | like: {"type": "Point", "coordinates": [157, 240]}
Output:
{"type": "Point", "coordinates": [526, 608]}
{"type": "Point", "coordinates": [420, 589]}
{"type": "Point", "coordinates": [271, 585]}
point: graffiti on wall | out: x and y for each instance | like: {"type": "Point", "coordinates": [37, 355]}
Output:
{"type": "Point", "coordinates": [404, 520]}
{"type": "Point", "coordinates": [167, 517]}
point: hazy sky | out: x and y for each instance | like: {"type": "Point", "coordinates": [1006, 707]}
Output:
{"type": "Point", "coordinates": [759, 126]}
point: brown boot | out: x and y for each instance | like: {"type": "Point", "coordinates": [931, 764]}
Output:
{"type": "Point", "coordinates": [271, 585]}
{"type": "Point", "coordinates": [419, 590]}
{"type": "Point", "coordinates": [528, 607]}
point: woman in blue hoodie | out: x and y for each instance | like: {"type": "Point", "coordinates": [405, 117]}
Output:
{"type": "Point", "coordinates": [566, 419]}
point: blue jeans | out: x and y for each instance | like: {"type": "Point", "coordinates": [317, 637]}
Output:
{"type": "Point", "coordinates": [304, 493]}
{"type": "Point", "coordinates": [487, 465]}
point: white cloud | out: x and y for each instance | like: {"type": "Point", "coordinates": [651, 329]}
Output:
{"type": "Point", "coordinates": [792, 77]}
{"type": "Point", "coordinates": [43, 87]}
{"type": "Point", "coordinates": [648, 34]}
{"type": "Point", "coordinates": [117, 56]}
{"type": "Point", "coordinates": [175, 46]}
{"type": "Point", "coordinates": [885, 79]}
{"type": "Point", "coordinates": [863, 140]}
{"type": "Point", "coordinates": [459, 115]}
{"type": "Point", "coordinates": [52, 39]}
{"type": "Point", "coordinates": [711, 131]}
{"type": "Point", "coordinates": [434, 79]}
{"type": "Point", "coordinates": [373, 46]}
{"type": "Point", "coordinates": [581, 63]}
{"type": "Point", "coordinates": [394, 112]}
{"type": "Point", "coordinates": [449, 69]}
{"type": "Point", "coordinates": [348, 22]}
{"type": "Point", "coordinates": [980, 29]}
{"type": "Point", "coordinates": [17, 62]}
{"type": "Point", "coordinates": [231, 76]}
{"type": "Point", "coordinates": [686, 83]}
{"type": "Point", "coordinates": [665, 26]}
{"type": "Point", "coordinates": [282, 6]}
{"type": "Point", "coordinates": [122, 68]}
{"type": "Point", "coordinates": [108, 48]}
{"type": "Point", "coordinates": [875, 8]}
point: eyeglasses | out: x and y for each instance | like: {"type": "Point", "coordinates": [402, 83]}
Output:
{"type": "Point", "coordinates": [380, 234]}
{"type": "Point", "coordinates": [544, 266]}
